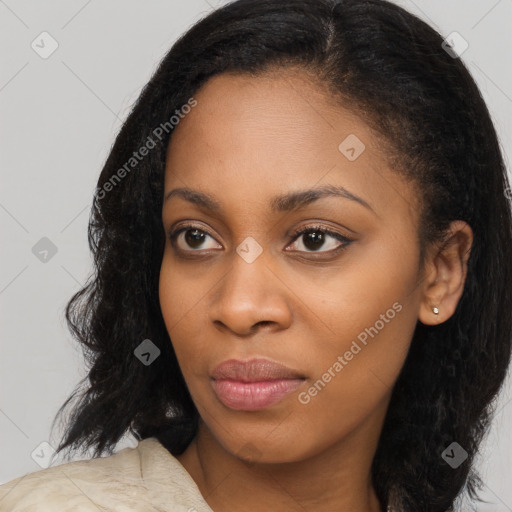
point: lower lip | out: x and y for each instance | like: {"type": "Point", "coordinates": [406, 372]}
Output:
{"type": "Point", "coordinates": [253, 395]}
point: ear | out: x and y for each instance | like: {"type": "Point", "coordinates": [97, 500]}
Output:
{"type": "Point", "coordinates": [445, 274]}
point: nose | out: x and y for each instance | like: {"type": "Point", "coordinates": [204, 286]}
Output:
{"type": "Point", "coordinates": [251, 296]}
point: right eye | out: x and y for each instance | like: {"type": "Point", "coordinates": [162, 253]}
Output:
{"type": "Point", "coordinates": [190, 238]}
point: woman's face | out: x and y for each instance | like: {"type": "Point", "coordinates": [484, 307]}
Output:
{"type": "Point", "coordinates": [262, 158]}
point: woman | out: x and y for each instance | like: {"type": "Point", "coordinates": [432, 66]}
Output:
{"type": "Point", "coordinates": [302, 297]}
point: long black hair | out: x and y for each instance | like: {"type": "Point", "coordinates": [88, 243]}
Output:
{"type": "Point", "coordinates": [389, 68]}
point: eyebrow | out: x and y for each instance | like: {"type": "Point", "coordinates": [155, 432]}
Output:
{"type": "Point", "coordinates": [281, 203]}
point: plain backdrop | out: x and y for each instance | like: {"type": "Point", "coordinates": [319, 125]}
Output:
{"type": "Point", "coordinates": [59, 117]}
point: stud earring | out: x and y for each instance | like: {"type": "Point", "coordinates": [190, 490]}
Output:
{"type": "Point", "coordinates": [435, 310]}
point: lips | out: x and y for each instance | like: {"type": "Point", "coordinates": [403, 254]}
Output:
{"type": "Point", "coordinates": [254, 370]}
{"type": "Point", "coordinates": [253, 384]}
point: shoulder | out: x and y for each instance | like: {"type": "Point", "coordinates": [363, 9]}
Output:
{"type": "Point", "coordinates": [72, 486]}
{"type": "Point", "coordinates": [144, 478]}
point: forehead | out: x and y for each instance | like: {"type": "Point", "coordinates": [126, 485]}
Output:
{"type": "Point", "coordinates": [276, 109]}
{"type": "Point", "coordinates": [258, 136]}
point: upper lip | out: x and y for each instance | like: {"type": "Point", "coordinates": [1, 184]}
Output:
{"type": "Point", "coordinates": [254, 370]}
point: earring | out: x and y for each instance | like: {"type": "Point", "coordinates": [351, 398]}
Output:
{"type": "Point", "coordinates": [435, 310]}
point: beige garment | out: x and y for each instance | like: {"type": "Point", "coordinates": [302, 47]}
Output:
{"type": "Point", "coordinates": [145, 478]}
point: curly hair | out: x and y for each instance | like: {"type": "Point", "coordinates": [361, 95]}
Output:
{"type": "Point", "coordinates": [388, 67]}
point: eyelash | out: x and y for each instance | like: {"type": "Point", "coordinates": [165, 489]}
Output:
{"type": "Point", "coordinates": [295, 235]}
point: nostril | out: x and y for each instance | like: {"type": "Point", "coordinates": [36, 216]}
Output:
{"type": "Point", "coordinates": [263, 322]}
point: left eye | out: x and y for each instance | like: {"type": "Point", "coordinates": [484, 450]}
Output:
{"type": "Point", "coordinates": [315, 238]}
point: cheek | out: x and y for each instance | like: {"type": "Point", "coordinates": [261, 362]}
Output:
{"type": "Point", "coordinates": [362, 362]}
{"type": "Point", "coordinates": [374, 292]}
{"type": "Point", "coordinates": [183, 307]}
{"type": "Point", "coordinates": [177, 311]}
{"type": "Point", "coordinates": [371, 312]}
{"type": "Point", "coordinates": [168, 290]}
{"type": "Point", "coordinates": [353, 380]}
{"type": "Point", "coordinates": [180, 297]}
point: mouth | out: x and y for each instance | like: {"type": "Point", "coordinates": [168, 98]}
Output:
{"type": "Point", "coordinates": [254, 384]}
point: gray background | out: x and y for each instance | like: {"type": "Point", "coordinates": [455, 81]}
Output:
{"type": "Point", "coordinates": [59, 117]}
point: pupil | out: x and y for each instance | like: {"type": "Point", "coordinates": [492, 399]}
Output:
{"type": "Point", "coordinates": [195, 239]}
{"type": "Point", "coordinates": [314, 240]}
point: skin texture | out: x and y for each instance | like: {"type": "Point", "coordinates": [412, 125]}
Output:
{"type": "Point", "coordinates": [248, 140]}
